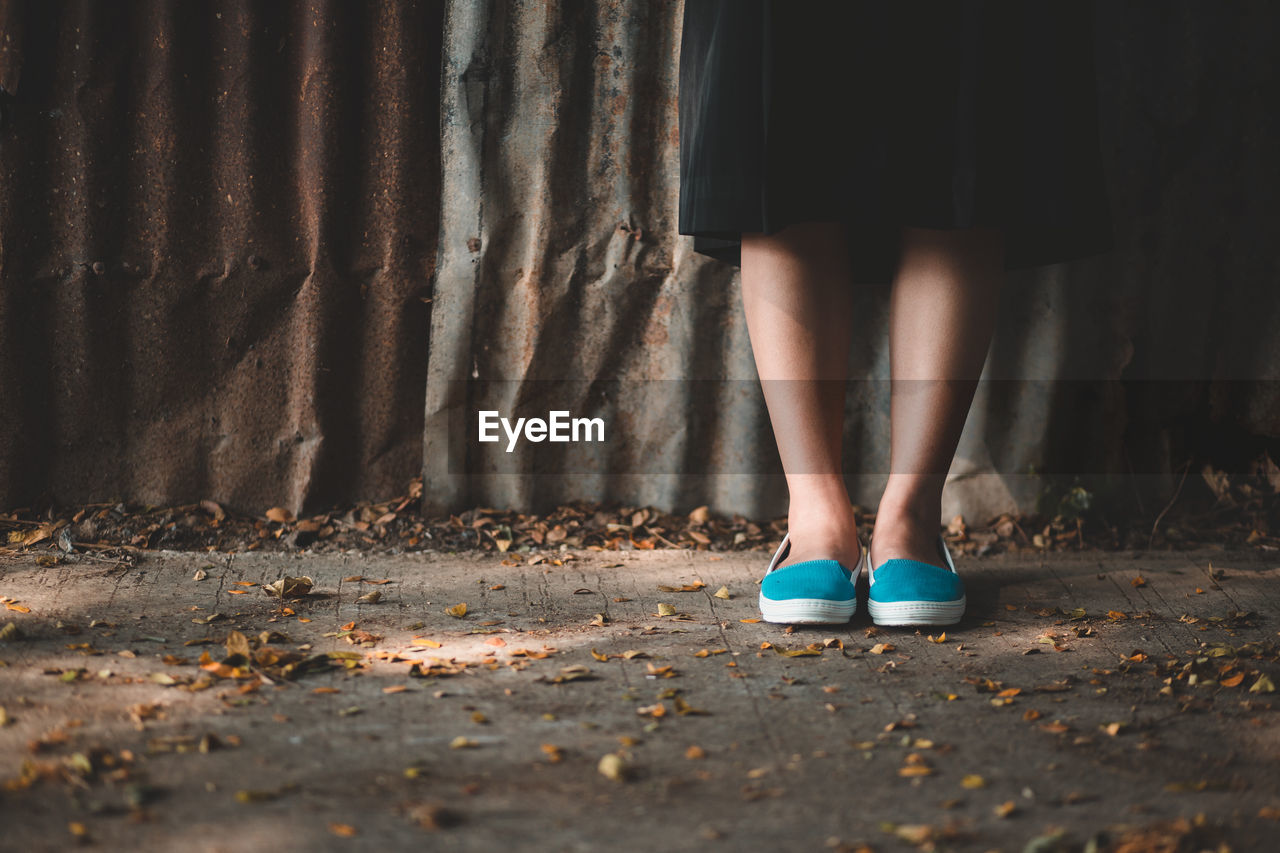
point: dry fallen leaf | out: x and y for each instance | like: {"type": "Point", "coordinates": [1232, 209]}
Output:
{"type": "Point", "coordinates": [612, 766]}
{"type": "Point", "coordinates": [457, 611]}
{"type": "Point", "coordinates": [914, 833]}
{"type": "Point", "coordinates": [695, 752]}
{"type": "Point", "coordinates": [279, 514]}
{"type": "Point", "coordinates": [689, 587]}
{"type": "Point", "coordinates": [289, 587]}
{"type": "Point", "coordinates": [369, 597]}
{"type": "Point", "coordinates": [973, 781]}
{"type": "Point", "coordinates": [343, 830]}
{"type": "Point", "coordinates": [434, 816]}
{"type": "Point", "coordinates": [915, 766]}
{"type": "Point", "coordinates": [881, 648]}
{"type": "Point", "coordinates": [666, 610]}
{"type": "Point", "coordinates": [722, 592]}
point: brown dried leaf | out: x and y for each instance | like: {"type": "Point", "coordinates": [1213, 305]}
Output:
{"type": "Point", "coordinates": [279, 514]}
{"type": "Point", "coordinates": [289, 587]}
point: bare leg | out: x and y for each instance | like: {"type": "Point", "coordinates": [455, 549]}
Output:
{"type": "Point", "coordinates": [942, 316]}
{"type": "Point", "coordinates": [796, 295]}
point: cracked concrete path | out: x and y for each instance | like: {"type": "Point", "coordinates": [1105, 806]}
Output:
{"type": "Point", "coordinates": [1112, 697]}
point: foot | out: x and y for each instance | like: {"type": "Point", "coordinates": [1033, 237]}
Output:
{"type": "Point", "coordinates": [823, 536]}
{"type": "Point", "coordinates": [815, 591]}
{"type": "Point", "coordinates": [912, 580]}
{"type": "Point", "coordinates": [904, 534]}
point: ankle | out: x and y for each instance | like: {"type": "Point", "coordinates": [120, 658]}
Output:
{"type": "Point", "coordinates": [911, 513]}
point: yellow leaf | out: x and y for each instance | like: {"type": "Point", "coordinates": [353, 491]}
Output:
{"type": "Point", "coordinates": [423, 641]}
{"type": "Point", "coordinates": [881, 648]}
{"type": "Point", "coordinates": [457, 611]}
{"type": "Point", "coordinates": [1263, 685]}
{"type": "Point", "coordinates": [343, 830]}
{"type": "Point", "coordinates": [666, 610]}
{"type": "Point", "coordinates": [1005, 809]}
{"type": "Point", "coordinates": [973, 781]}
{"type": "Point", "coordinates": [915, 770]}
{"type": "Point", "coordinates": [695, 752]}
{"type": "Point", "coordinates": [462, 742]}
{"type": "Point", "coordinates": [722, 592]}
{"type": "Point", "coordinates": [612, 766]}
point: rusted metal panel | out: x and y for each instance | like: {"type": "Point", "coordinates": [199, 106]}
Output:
{"type": "Point", "coordinates": [217, 232]}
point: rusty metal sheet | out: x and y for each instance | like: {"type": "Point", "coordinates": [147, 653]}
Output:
{"type": "Point", "coordinates": [217, 233]}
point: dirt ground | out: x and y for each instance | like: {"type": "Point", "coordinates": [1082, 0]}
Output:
{"type": "Point", "coordinates": [629, 700]}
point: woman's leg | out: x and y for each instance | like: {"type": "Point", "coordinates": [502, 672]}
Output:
{"type": "Point", "coordinates": [942, 316]}
{"type": "Point", "coordinates": [796, 288]}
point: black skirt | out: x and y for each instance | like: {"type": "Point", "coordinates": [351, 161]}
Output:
{"type": "Point", "coordinates": [927, 113]}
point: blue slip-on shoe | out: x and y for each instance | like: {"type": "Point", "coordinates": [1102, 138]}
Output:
{"type": "Point", "coordinates": [909, 592]}
{"type": "Point", "coordinates": [815, 592]}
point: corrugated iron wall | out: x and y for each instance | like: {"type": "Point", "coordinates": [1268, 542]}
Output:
{"type": "Point", "coordinates": [219, 228]}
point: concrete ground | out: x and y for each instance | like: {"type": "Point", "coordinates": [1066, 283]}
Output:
{"type": "Point", "coordinates": [1121, 700]}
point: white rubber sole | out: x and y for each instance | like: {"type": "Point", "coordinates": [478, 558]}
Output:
{"type": "Point", "coordinates": [807, 611]}
{"type": "Point", "coordinates": [916, 612]}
